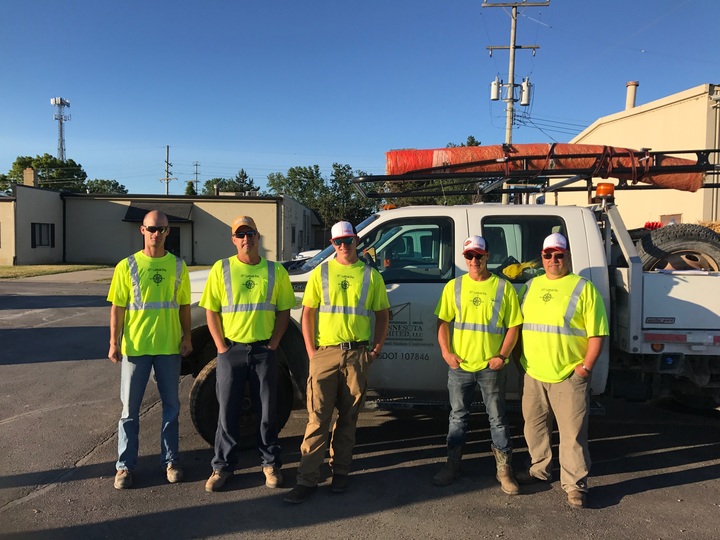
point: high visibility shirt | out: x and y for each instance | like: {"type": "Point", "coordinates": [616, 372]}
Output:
{"type": "Point", "coordinates": [560, 315]}
{"type": "Point", "coordinates": [345, 296]}
{"type": "Point", "coordinates": [151, 289]}
{"type": "Point", "coordinates": [482, 311]}
{"type": "Point", "coordinates": [247, 296]}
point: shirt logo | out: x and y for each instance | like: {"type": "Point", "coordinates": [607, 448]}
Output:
{"type": "Point", "coordinates": [344, 284]}
{"type": "Point", "coordinates": [547, 297]}
{"type": "Point", "coordinates": [477, 301]}
{"type": "Point", "coordinates": [249, 284]}
{"type": "Point", "coordinates": [157, 278]}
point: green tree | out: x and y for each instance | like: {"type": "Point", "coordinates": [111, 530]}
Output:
{"type": "Point", "coordinates": [52, 172]}
{"type": "Point", "coordinates": [5, 184]}
{"type": "Point", "coordinates": [471, 141]}
{"type": "Point", "coordinates": [241, 182]}
{"type": "Point", "coordinates": [105, 186]}
{"type": "Point", "coordinates": [190, 188]}
{"type": "Point", "coordinates": [333, 199]}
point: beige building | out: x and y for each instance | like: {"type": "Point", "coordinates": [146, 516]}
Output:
{"type": "Point", "coordinates": [39, 226]}
{"type": "Point", "coordinates": [688, 120]}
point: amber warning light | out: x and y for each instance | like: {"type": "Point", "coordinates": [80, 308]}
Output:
{"type": "Point", "coordinates": [605, 190]}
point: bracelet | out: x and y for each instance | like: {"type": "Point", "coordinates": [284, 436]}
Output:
{"type": "Point", "coordinates": [586, 369]}
{"type": "Point", "coordinates": [501, 357]}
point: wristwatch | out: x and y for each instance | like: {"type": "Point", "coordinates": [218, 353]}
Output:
{"type": "Point", "coordinates": [501, 356]}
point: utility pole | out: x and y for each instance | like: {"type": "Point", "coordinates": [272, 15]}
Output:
{"type": "Point", "coordinates": [197, 182]}
{"type": "Point", "coordinates": [497, 85]}
{"type": "Point", "coordinates": [167, 178]}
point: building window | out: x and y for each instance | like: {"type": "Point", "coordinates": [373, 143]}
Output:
{"type": "Point", "coordinates": [42, 234]}
{"type": "Point", "coordinates": [292, 234]}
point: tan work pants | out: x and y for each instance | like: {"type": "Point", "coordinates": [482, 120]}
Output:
{"type": "Point", "coordinates": [568, 402]}
{"type": "Point", "coordinates": [337, 378]}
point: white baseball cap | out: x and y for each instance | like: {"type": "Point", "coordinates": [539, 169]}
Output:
{"type": "Point", "coordinates": [476, 244]}
{"type": "Point", "coordinates": [555, 242]}
{"type": "Point", "coordinates": [342, 229]}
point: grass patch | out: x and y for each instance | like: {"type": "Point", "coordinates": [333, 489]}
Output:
{"type": "Point", "coordinates": [9, 272]}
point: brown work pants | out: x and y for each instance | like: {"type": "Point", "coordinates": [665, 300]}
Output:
{"type": "Point", "coordinates": [337, 379]}
{"type": "Point", "coordinates": [568, 402]}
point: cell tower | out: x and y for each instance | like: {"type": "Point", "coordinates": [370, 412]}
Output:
{"type": "Point", "coordinates": [61, 117]}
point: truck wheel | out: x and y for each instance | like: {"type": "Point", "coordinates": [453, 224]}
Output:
{"type": "Point", "coordinates": [680, 247]}
{"type": "Point", "coordinates": [204, 406]}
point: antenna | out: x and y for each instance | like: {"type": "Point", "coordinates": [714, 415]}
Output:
{"type": "Point", "coordinates": [60, 103]}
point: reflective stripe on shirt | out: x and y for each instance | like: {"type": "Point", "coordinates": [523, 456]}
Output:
{"type": "Point", "coordinates": [137, 303]}
{"type": "Point", "coordinates": [490, 328]}
{"type": "Point", "coordinates": [259, 306]}
{"type": "Point", "coordinates": [565, 329]}
{"type": "Point", "coordinates": [345, 310]}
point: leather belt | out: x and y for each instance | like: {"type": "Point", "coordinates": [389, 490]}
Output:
{"type": "Point", "coordinates": [350, 345]}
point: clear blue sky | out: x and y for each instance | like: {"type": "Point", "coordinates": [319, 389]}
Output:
{"type": "Point", "coordinates": [265, 85]}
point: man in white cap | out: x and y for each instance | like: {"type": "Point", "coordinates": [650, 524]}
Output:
{"type": "Point", "coordinates": [564, 328]}
{"type": "Point", "coordinates": [486, 326]}
{"type": "Point", "coordinates": [339, 299]}
{"type": "Point", "coordinates": [247, 300]}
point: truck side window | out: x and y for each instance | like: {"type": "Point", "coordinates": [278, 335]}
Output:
{"type": "Point", "coordinates": [515, 243]}
{"type": "Point", "coordinates": [411, 250]}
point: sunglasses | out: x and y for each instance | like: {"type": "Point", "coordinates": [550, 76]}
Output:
{"type": "Point", "coordinates": [471, 256]}
{"type": "Point", "coordinates": [243, 234]}
{"type": "Point", "coordinates": [554, 256]}
{"type": "Point", "coordinates": [347, 240]}
{"type": "Point", "coordinates": [152, 229]}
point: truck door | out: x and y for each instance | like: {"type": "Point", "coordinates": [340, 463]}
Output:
{"type": "Point", "coordinates": [415, 257]}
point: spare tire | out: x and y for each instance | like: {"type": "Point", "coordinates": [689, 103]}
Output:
{"type": "Point", "coordinates": [680, 247]}
{"type": "Point", "coordinates": [204, 408]}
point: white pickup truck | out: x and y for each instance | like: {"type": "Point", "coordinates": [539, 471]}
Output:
{"type": "Point", "coordinates": [661, 291]}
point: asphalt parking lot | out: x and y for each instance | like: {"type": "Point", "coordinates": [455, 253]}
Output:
{"type": "Point", "coordinates": [655, 466]}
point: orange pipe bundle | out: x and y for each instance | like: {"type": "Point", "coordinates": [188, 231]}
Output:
{"type": "Point", "coordinates": [543, 158]}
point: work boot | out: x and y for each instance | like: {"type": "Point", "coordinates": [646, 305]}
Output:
{"type": "Point", "coordinates": [504, 475]}
{"type": "Point", "coordinates": [299, 494]}
{"type": "Point", "coordinates": [450, 469]}
{"type": "Point", "coordinates": [217, 480]}
{"type": "Point", "coordinates": [123, 479]}
{"type": "Point", "coordinates": [524, 478]}
{"type": "Point", "coordinates": [577, 499]}
{"type": "Point", "coordinates": [174, 473]}
{"type": "Point", "coordinates": [339, 483]}
{"type": "Point", "coordinates": [273, 476]}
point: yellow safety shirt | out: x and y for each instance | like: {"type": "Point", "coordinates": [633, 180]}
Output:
{"type": "Point", "coordinates": [151, 289]}
{"type": "Point", "coordinates": [559, 317]}
{"type": "Point", "coordinates": [482, 311]}
{"type": "Point", "coordinates": [345, 296]}
{"type": "Point", "coordinates": [239, 292]}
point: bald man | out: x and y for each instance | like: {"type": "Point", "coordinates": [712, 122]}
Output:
{"type": "Point", "coordinates": [149, 330]}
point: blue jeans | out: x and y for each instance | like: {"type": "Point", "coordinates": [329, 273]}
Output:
{"type": "Point", "coordinates": [135, 373]}
{"type": "Point", "coordinates": [461, 388]}
{"type": "Point", "coordinates": [242, 364]}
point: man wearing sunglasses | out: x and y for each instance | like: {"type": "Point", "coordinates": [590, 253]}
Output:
{"type": "Point", "coordinates": [150, 295]}
{"type": "Point", "coordinates": [339, 299]}
{"type": "Point", "coordinates": [564, 328]}
{"type": "Point", "coordinates": [247, 301]}
{"type": "Point", "coordinates": [486, 325]}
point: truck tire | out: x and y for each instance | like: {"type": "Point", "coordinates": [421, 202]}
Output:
{"type": "Point", "coordinates": [680, 247]}
{"type": "Point", "coordinates": [204, 406]}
